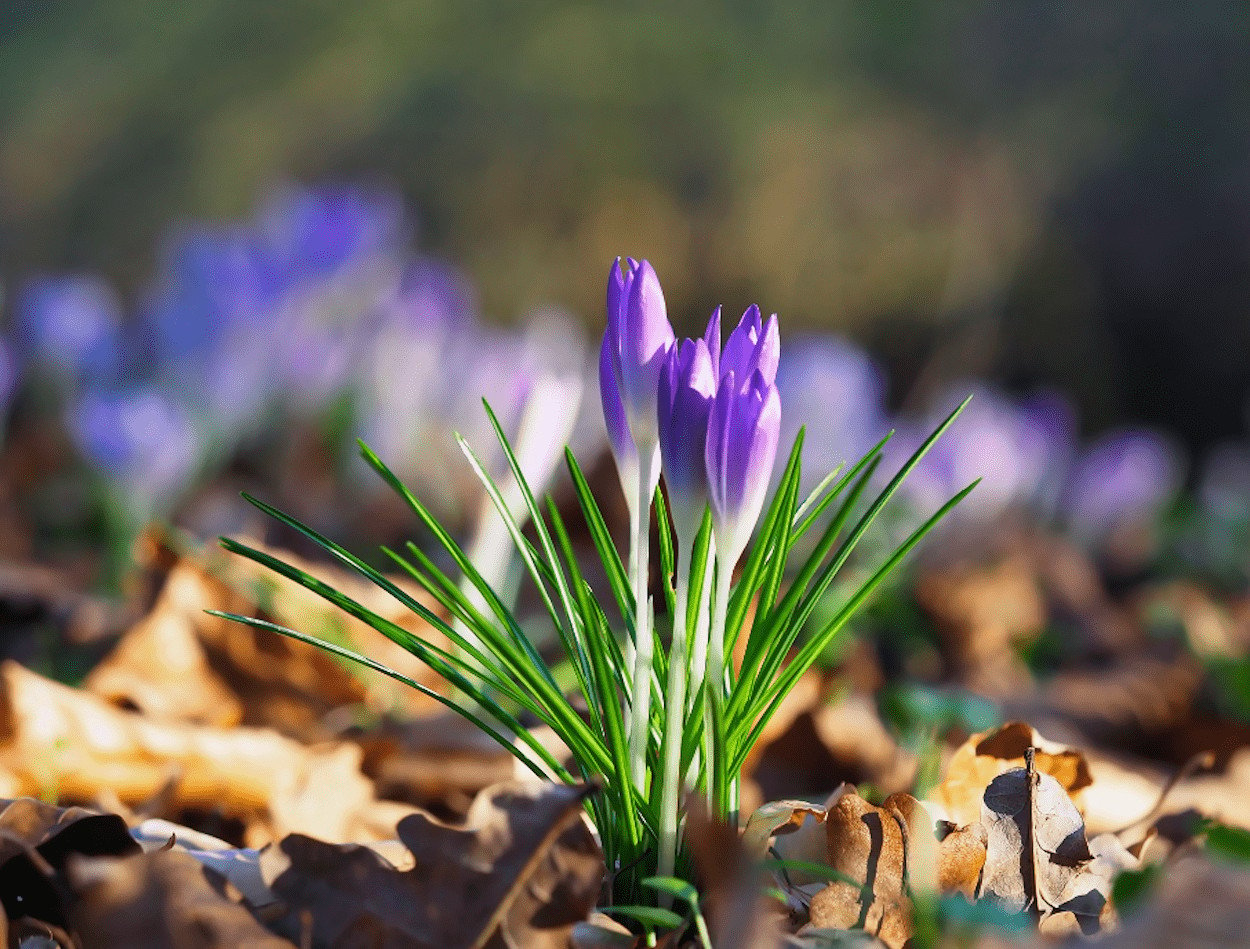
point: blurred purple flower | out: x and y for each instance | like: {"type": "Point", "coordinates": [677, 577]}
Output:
{"type": "Point", "coordinates": [316, 232]}
{"type": "Point", "coordinates": [1019, 450]}
{"type": "Point", "coordinates": [138, 438]}
{"type": "Point", "coordinates": [686, 392]}
{"type": "Point", "coordinates": [1123, 480]}
{"type": "Point", "coordinates": [70, 327]}
{"type": "Point", "coordinates": [837, 393]}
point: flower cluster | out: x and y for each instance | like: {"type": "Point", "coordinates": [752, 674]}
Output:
{"type": "Point", "coordinates": [252, 331]}
{"type": "Point", "coordinates": [709, 419]}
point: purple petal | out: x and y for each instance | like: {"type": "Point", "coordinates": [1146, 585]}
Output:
{"type": "Point", "coordinates": [711, 337]}
{"type": "Point", "coordinates": [616, 299]}
{"type": "Point", "coordinates": [613, 409]}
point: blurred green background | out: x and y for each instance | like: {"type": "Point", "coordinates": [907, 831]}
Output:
{"type": "Point", "coordinates": [1042, 193]}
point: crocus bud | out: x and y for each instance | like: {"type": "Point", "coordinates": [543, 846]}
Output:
{"type": "Point", "coordinates": [711, 337]}
{"type": "Point", "coordinates": [752, 346]}
{"type": "Point", "coordinates": [614, 419]}
{"type": "Point", "coordinates": [686, 393]}
{"type": "Point", "coordinates": [638, 337]}
{"type": "Point", "coordinates": [742, 434]}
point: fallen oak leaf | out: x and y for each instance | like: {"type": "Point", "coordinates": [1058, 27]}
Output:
{"type": "Point", "coordinates": [960, 859]}
{"type": "Point", "coordinates": [160, 668]}
{"type": "Point", "coordinates": [521, 871]}
{"type": "Point", "coordinates": [161, 900]}
{"type": "Point", "coordinates": [986, 755]}
{"type": "Point", "coordinates": [739, 914]}
{"type": "Point", "coordinates": [869, 844]}
{"type": "Point", "coordinates": [774, 818]}
{"type": "Point", "coordinates": [1037, 856]}
{"type": "Point", "coordinates": [36, 840]}
{"type": "Point", "coordinates": [246, 772]}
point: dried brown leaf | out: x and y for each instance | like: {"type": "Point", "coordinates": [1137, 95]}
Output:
{"type": "Point", "coordinates": [78, 745]}
{"type": "Point", "coordinates": [521, 871]}
{"type": "Point", "coordinates": [870, 845]}
{"type": "Point", "coordinates": [161, 900]}
{"type": "Point", "coordinates": [777, 817]}
{"type": "Point", "coordinates": [36, 838]}
{"type": "Point", "coordinates": [986, 755]}
{"type": "Point", "coordinates": [961, 855]}
{"type": "Point", "coordinates": [160, 668]}
{"type": "Point", "coordinates": [1038, 858]}
{"type": "Point", "coordinates": [738, 913]}
{"type": "Point", "coordinates": [601, 931]}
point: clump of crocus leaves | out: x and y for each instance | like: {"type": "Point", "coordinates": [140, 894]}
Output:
{"type": "Point", "coordinates": [653, 714]}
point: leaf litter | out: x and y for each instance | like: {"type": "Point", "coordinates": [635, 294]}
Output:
{"type": "Point", "coordinates": [246, 790]}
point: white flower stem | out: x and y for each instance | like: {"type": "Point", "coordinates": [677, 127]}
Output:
{"type": "Point", "coordinates": [715, 687]}
{"type": "Point", "coordinates": [644, 647]}
{"type": "Point", "coordinates": [698, 658]}
{"type": "Point", "coordinates": [674, 721]}
{"type": "Point", "coordinates": [632, 566]}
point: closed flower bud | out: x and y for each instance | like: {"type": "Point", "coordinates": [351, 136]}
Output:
{"type": "Point", "coordinates": [637, 339]}
{"type": "Point", "coordinates": [686, 392]}
{"type": "Point", "coordinates": [743, 430]}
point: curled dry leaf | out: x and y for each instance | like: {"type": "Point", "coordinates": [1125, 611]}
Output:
{"type": "Point", "coordinates": [869, 845]}
{"type": "Point", "coordinates": [159, 667]}
{"type": "Point", "coordinates": [254, 774]}
{"type": "Point", "coordinates": [521, 872]}
{"type": "Point", "coordinates": [1038, 858]}
{"type": "Point", "coordinates": [36, 837]}
{"type": "Point", "coordinates": [960, 859]}
{"type": "Point", "coordinates": [601, 931]}
{"type": "Point", "coordinates": [774, 818]}
{"type": "Point", "coordinates": [988, 754]}
{"type": "Point", "coordinates": [161, 900]}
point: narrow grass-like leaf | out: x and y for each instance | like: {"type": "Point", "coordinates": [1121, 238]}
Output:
{"type": "Point", "coordinates": [772, 696]}
{"type": "Point", "coordinates": [740, 600]}
{"type": "Point", "coordinates": [772, 640]}
{"type": "Point", "coordinates": [557, 711]}
{"type": "Point", "coordinates": [518, 731]}
{"type": "Point", "coordinates": [618, 578]}
{"type": "Point", "coordinates": [810, 518]}
{"type": "Point", "coordinates": [462, 562]}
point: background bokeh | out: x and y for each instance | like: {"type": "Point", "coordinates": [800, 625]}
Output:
{"type": "Point", "coordinates": [223, 226]}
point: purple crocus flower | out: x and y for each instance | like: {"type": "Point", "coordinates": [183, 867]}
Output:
{"type": "Point", "coordinates": [70, 326]}
{"type": "Point", "coordinates": [636, 341]}
{"type": "Point", "coordinates": [742, 434]}
{"type": "Point", "coordinates": [1123, 480]}
{"type": "Point", "coordinates": [686, 393]}
{"type": "Point", "coordinates": [614, 419]}
{"type": "Point", "coordinates": [752, 346]}
{"type": "Point", "coordinates": [139, 438]}
{"type": "Point", "coordinates": [837, 393]}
